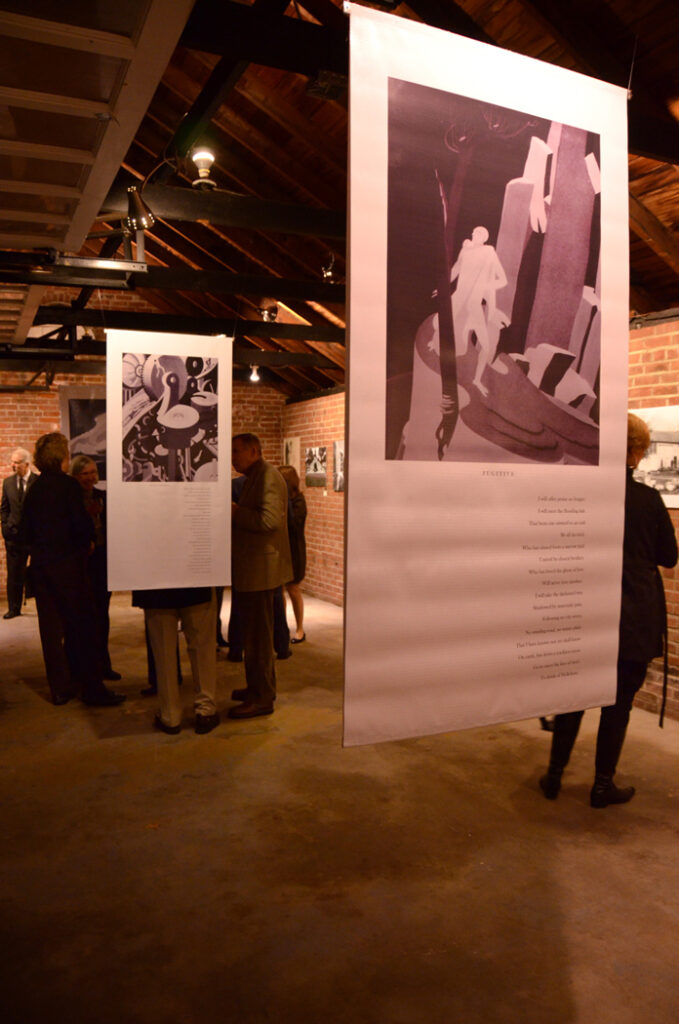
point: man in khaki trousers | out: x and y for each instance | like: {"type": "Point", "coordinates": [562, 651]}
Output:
{"type": "Point", "coordinates": [260, 563]}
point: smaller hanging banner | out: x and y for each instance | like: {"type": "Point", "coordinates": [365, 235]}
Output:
{"type": "Point", "coordinates": [168, 442]}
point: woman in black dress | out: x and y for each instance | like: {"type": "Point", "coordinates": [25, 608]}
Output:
{"type": "Point", "coordinates": [60, 535]}
{"type": "Point", "coordinates": [84, 469]}
{"type": "Point", "coordinates": [296, 519]}
{"type": "Point", "coordinates": [648, 542]}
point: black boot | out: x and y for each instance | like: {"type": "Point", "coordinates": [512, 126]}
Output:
{"type": "Point", "coordinates": [550, 784]}
{"type": "Point", "coordinates": [605, 792]}
{"type": "Point", "coordinates": [565, 731]}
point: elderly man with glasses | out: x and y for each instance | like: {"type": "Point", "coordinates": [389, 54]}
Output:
{"type": "Point", "coordinates": [14, 490]}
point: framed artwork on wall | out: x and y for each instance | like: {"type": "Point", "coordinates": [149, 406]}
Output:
{"type": "Point", "coordinates": [82, 411]}
{"type": "Point", "coordinates": [660, 466]}
{"type": "Point", "coordinates": [291, 449]}
{"type": "Point", "coordinates": [316, 466]}
{"type": "Point", "coordinates": [338, 466]}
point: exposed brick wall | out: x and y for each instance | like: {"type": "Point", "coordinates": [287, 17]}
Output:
{"type": "Point", "coordinates": [320, 421]}
{"type": "Point", "coordinates": [653, 378]}
{"type": "Point", "coordinates": [259, 410]}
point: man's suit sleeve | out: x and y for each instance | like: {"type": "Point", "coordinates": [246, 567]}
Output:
{"type": "Point", "coordinates": [269, 509]}
{"type": "Point", "coordinates": [5, 511]}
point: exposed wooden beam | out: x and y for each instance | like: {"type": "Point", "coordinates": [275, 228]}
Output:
{"type": "Point", "coordinates": [40, 151]}
{"type": "Point", "coordinates": [451, 18]}
{"type": "Point", "coordinates": [70, 37]}
{"type": "Point", "coordinates": [219, 84]}
{"type": "Point", "coordinates": [584, 28]}
{"type": "Point", "coordinates": [50, 103]}
{"type": "Point", "coordinates": [155, 42]}
{"type": "Point", "coordinates": [39, 188]}
{"type": "Point", "coordinates": [654, 233]}
{"type": "Point", "coordinates": [34, 216]}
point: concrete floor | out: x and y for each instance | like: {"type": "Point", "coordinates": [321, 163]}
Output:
{"type": "Point", "coordinates": [263, 874]}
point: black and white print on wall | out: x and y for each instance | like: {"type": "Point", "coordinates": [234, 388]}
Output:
{"type": "Point", "coordinates": [493, 285]}
{"type": "Point", "coordinates": [83, 421]}
{"type": "Point", "coordinates": [291, 449]}
{"type": "Point", "coordinates": [316, 466]}
{"type": "Point", "coordinates": [169, 418]}
{"type": "Point", "coordinates": [338, 466]}
{"type": "Point", "coordinates": [660, 466]}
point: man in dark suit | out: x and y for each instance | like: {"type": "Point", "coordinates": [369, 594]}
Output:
{"type": "Point", "coordinates": [13, 492]}
{"type": "Point", "coordinates": [261, 563]}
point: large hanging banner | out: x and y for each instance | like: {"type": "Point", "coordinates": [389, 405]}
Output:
{"type": "Point", "coordinates": [168, 442]}
{"type": "Point", "coordinates": [487, 384]}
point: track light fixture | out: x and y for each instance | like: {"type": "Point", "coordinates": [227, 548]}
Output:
{"type": "Point", "coordinates": [254, 375]}
{"type": "Point", "coordinates": [203, 158]}
{"type": "Point", "coordinates": [139, 214]}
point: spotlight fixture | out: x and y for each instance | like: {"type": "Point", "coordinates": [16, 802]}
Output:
{"type": "Point", "coordinates": [203, 158]}
{"type": "Point", "coordinates": [269, 313]}
{"type": "Point", "coordinates": [254, 375]}
{"type": "Point", "coordinates": [328, 270]}
{"type": "Point", "coordinates": [139, 214]}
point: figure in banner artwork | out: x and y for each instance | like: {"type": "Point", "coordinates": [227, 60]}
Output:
{"type": "Point", "coordinates": [169, 418]}
{"type": "Point", "coordinates": [493, 284]}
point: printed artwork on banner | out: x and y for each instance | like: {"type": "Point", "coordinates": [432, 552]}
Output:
{"type": "Point", "coordinates": [169, 418]}
{"type": "Point", "coordinates": [660, 466]}
{"type": "Point", "coordinates": [83, 421]}
{"type": "Point", "coordinates": [291, 450]}
{"type": "Point", "coordinates": [494, 284]}
{"type": "Point", "coordinates": [338, 466]}
{"type": "Point", "coordinates": [316, 466]}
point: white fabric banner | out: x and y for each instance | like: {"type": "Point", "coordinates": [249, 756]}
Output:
{"type": "Point", "coordinates": [168, 443]}
{"type": "Point", "coordinates": [487, 384]}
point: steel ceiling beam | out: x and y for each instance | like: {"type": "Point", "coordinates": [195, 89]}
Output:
{"type": "Point", "coordinates": [221, 207]}
{"type": "Point", "coordinates": [172, 324]}
{"type": "Point", "coordinates": [171, 279]}
{"type": "Point", "coordinates": [276, 41]}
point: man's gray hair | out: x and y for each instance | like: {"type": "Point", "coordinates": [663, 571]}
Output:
{"type": "Point", "coordinates": [21, 455]}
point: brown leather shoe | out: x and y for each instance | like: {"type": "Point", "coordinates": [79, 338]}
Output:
{"type": "Point", "coordinates": [250, 710]}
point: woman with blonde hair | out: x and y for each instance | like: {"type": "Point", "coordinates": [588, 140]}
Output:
{"type": "Point", "coordinates": [297, 512]}
{"type": "Point", "coordinates": [648, 542]}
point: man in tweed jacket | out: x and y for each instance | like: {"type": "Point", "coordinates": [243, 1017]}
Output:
{"type": "Point", "coordinates": [260, 563]}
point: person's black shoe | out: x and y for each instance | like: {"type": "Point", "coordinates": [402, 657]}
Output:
{"type": "Point", "coordinates": [286, 654]}
{"type": "Point", "coordinates": [62, 698]}
{"type": "Point", "coordinates": [171, 730]}
{"type": "Point", "coordinates": [11, 615]}
{"type": "Point", "coordinates": [149, 691]}
{"type": "Point", "coordinates": [112, 676]}
{"type": "Point", "coordinates": [104, 698]}
{"type": "Point", "coordinates": [550, 784]}
{"type": "Point", "coordinates": [298, 640]}
{"type": "Point", "coordinates": [206, 723]}
{"type": "Point", "coordinates": [605, 792]}
{"type": "Point", "coordinates": [221, 642]}
{"type": "Point", "coordinates": [250, 710]}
